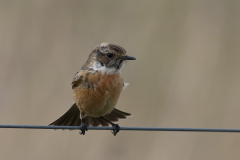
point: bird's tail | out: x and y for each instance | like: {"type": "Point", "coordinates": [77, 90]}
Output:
{"type": "Point", "coordinates": [72, 118]}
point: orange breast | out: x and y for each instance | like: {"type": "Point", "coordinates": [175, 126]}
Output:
{"type": "Point", "coordinates": [98, 93]}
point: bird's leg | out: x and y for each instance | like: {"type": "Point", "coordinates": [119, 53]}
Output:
{"type": "Point", "coordinates": [116, 127]}
{"type": "Point", "coordinates": [83, 126]}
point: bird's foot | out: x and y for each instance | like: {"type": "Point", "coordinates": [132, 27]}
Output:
{"type": "Point", "coordinates": [83, 128]}
{"type": "Point", "coordinates": [116, 129]}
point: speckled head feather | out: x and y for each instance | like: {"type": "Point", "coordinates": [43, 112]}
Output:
{"type": "Point", "coordinates": [109, 58]}
{"type": "Point", "coordinates": [117, 49]}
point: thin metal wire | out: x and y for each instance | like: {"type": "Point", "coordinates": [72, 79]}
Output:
{"type": "Point", "coordinates": [124, 128]}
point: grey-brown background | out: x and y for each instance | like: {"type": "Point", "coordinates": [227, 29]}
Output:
{"type": "Point", "coordinates": [187, 74]}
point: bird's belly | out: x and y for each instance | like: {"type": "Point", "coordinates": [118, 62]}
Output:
{"type": "Point", "coordinates": [98, 98]}
{"type": "Point", "coordinates": [97, 108]}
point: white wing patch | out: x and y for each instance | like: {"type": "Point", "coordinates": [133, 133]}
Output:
{"type": "Point", "coordinates": [125, 85]}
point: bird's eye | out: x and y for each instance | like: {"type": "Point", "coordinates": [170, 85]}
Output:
{"type": "Point", "coordinates": [109, 55]}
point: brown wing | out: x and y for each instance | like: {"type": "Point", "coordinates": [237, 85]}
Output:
{"type": "Point", "coordinates": [77, 79]}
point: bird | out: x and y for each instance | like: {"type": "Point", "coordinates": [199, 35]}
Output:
{"type": "Point", "coordinates": [96, 89]}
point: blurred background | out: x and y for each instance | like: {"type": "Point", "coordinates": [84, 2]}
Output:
{"type": "Point", "coordinates": [187, 74]}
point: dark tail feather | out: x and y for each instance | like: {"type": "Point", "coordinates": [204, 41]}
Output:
{"type": "Point", "coordinates": [72, 118]}
{"type": "Point", "coordinates": [117, 114]}
{"type": "Point", "coordinates": [114, 116]}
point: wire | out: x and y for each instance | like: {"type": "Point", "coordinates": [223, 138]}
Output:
{"type": "Point", "coordinates": [123, 128]}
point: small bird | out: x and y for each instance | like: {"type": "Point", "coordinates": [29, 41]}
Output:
{"type": "Point", "coordinates": [96, 89]}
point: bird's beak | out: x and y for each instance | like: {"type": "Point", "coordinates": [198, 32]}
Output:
{"type": "Point", "coordinates": [129, 58]}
